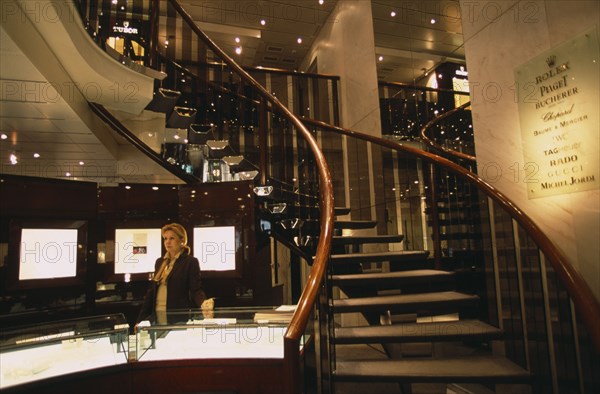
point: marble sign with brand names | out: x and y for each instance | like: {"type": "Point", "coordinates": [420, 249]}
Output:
{"type": "Point", "coordinates": [558, 99]}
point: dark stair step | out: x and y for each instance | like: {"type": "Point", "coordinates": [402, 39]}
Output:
{"type": "Point", "coordinates": [454, 222]}
{"type": "Point", "coordinates": [485, 369]}
{"type": "Point", "coordinates": [458, 330]}
{"type": "Point", "coordinates": [341, 210]}
{"type": "Point", "coordinates": [354, 224]}
{"type": "Point", "coordinates": [460, 236]}
{"type": "Point", "coordinates": [278, 194]}
{"type": "Point", "coordinates": [297, 210]}
{"type": "Point", "coordinates": [396, 278]}
{"type": "Point", "coordinates": [366, 239]}
{"type": "Point", "coordinates": [410, 255]}
{"type": "Point", "coordinates": [407, 303]}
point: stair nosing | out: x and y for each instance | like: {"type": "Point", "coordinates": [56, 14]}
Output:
{"type": "Point", "coordinates": [405, 302]}
{"type": "Point", "coordinates": [380, 256]}
{"type": "Point", "coordinates": [417, 332]}
{"type": "Point", "coordinates": [414, 275]}
{"type": "Point", "coordinates": [449, 369]}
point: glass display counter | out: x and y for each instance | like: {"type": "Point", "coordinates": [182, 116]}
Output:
{"type": "Point", "coordinates": [225, 333]}
{"type": "Point", "coordinates": [32, 353]}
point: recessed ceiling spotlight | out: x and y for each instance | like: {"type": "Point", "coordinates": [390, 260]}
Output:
{"type": "Point", "coordinates": [36, 155]}
{"type": "Point", "coordinates": [432, 21]}
{"type": "Point", "coordinates": [263, 22]}
{"type": "Point", "coordinates": [238, 50]}
{"type": "Point", "coordinates": [81, 163]}
{"type": "Point", "coordinates": [321, 2]}
{"type": "Point", "coordinates": [237, 39]}
{"type": "Point", "coordinates": [154, 187]}
{"type": "Point", "coordinates": [380, 58]}
{"type": "Point", "coordinates": [67, 174]}
{"type": "Point", "coordinates": [393, 14]}
{"type": "Point", "coordinates": [13, 159]}
{"type": "Point", "coordinates": [127, 187]}
{"type": "Point", "coordinates": [3, 136]}
{"type": "Point", "coordinates": [299, 40]}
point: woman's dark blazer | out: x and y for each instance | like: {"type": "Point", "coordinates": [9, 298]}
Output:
{"type": "Point", "coordinates": [184, 286]}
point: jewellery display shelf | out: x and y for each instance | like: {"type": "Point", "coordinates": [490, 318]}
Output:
{"type": "Point", "coordinates": [229, 350]}
{"type": "Point", "coordinates": [225, 333]}
{"type": "Point", "coordinates": [45, 351]}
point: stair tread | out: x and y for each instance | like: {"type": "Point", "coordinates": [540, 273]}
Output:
{"type": "Point", "coordinates": [354, 224]}
{"type": "Point", "coordinates": [405, 302]}
{"type": "Point", "coordinates": [416, 332]}
{"type": "Point", "coordinates": [448, 369]}
{"type": "Point", "coordinates": [412, 276]}
{"type": "Point", "coordinates": [363, 239]}
{"type": "Point", "coordinates": [341, 210]}
{"type": "Point", "coordinates": [380, 256]}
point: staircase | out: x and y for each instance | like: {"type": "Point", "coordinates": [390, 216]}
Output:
{"type": "Point", "coordinates": [395, 317]}
{"type": "Point", "coordinates": [411, 316]}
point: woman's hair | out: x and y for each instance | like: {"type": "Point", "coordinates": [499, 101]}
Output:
{"type": "Point", "coordinates": [179, 230]}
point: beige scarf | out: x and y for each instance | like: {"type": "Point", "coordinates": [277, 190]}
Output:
{"type": "Point", "coordinates": [165, 269]}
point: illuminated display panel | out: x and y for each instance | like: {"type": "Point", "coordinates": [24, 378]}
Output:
{"type": "Point", "coordinates": [47, 253]}
{"type": "Point", "coordinates": [136, 250]}
{"type": "Point", "coordinates": [215, 247]}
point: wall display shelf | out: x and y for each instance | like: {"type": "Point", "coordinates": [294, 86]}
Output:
{"type": "Point", "coordinates": [33, 353]}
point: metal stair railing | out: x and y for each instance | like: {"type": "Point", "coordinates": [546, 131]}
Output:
{"type": "Point", "coordinates": [528, 287]}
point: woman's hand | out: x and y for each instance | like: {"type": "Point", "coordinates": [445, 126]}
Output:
{"type": "Point", "coordinates": [208, 304]}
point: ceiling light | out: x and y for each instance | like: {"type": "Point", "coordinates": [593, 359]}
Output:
{"type": "Point", "coordinates": [237, 39]}
{"type": "Point", "coordinates": [3, 136]}
{"type": "Point", "coordinates": [299, 40]}
{"type": "Point", "coordinates": [238, 50]}
{"type": "Point", "coordinates": [432, 21]}
{"type": "Point", "coordinates": [115, 1]}
{"type": "Point", "coordinates": [263, 22]}
{"type": "Point", "coordinates": [81, 163]}
{"type": "Point", "coordinates": [127, 187]}
{"type": "Point", "coordinates": [154, 187]}
{"type": "Point", "coordinates": [440, 76]}
{"type": "Point", "coordinates": [393, 14]}
{"type": "Point", "coordinates": [321, 2]}
{"type": "Point", "coordinates": [166, 42]}
{"type": "Point", "coordinates": [36, 155]}
{"type": "Point", "coordinates": [380, 58]}
{"type": "Point", "coordinates": [13, 159]}
{"type": "Point", "coordinates": [67, 174]}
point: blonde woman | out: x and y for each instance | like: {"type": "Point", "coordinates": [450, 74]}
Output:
{"type": "Point", "coordinates": [176, 283]}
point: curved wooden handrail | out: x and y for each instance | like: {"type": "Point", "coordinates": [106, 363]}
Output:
{"type": "Point", "coordinates": [308, 297]}
{"type": "Point", "coordinates": [124, 132]}
{"type": "Point", "coordinates": [439, 147]}
{"type": "Point", "coordinates": [579, 291]}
